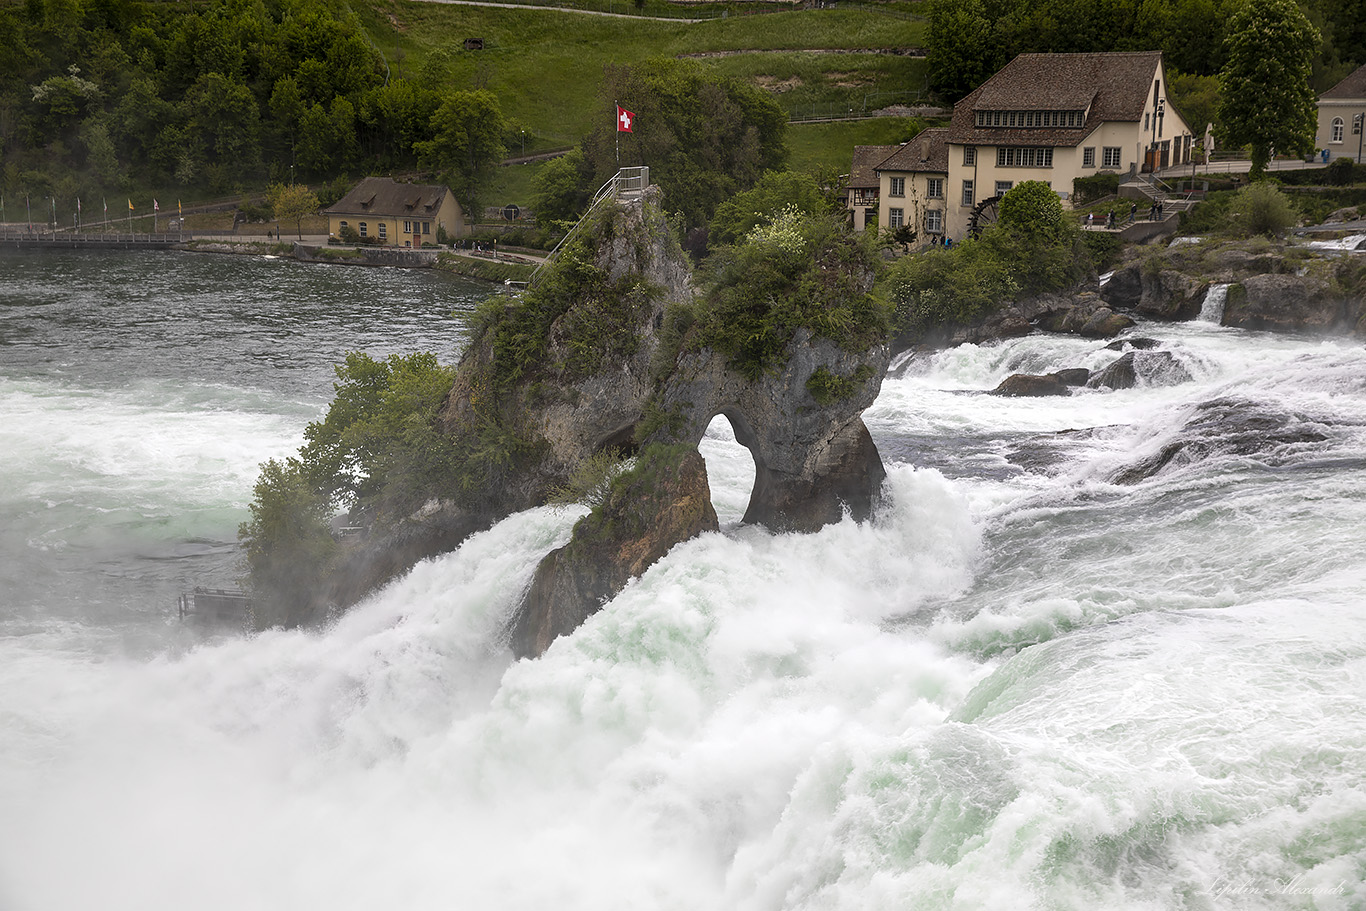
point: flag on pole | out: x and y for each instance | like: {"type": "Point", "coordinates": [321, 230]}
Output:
{"type": "Point", "coordinates": [155, 206]}
{"type": "Point", "coordinates": [130, 205]}
{"type": "Point", "coordinates": [78, 205]}
{"type": "Point", "coordinates": [105, 200]}
{"type": "Point", "coordinates": [625, 120]}
{"type": "Point", "coordinates": [178, 209]}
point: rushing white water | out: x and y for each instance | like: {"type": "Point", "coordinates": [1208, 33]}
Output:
{"type": "Point", "coordinates": [1212, 308]}
{"type": "Point", "coordinates": [1341, 244]}
{"type": "Point", "coordinates": [1025, 685]}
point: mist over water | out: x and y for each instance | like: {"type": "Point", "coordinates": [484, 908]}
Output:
{"type": "Point", "coordinates": [1034, 681]}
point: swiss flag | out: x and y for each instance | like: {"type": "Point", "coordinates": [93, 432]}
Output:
{"type": "Point", "coordinates": [624, 120]}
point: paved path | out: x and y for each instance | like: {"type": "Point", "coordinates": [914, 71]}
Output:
{"type": "Point", "coordinates": [564, 9]}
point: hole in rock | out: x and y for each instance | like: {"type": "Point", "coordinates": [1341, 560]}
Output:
{"type": "Point", "coordinates": [730, 471]}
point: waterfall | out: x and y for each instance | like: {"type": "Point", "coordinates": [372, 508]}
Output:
{"type": "Point", "coordinates": [1212, 310]}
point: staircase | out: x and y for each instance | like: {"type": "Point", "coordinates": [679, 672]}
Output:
{"type": "Point", "coordinates": [627, 183]}
{"type": "Point", "coordinates": [1158, 192]}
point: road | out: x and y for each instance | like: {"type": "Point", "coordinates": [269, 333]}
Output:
{"type": "Point", "coordinates": [563, 9]}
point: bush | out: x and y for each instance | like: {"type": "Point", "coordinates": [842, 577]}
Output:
{"type": "Point", "coordinates": [775, 191]}
{"type": "Point", "coordinates": [950, 287]}
{"type": "Point", "coordinates": [1033, 249]}
{"type": "Point", "coordinates": [795, 272]}
{"type": "Point", "coordinates": [1340, 172]}
{"type": "Point", "coordinates": [287, 543]}
{"type": "Point", "coordinates": [1086, 190]}
{"type": "Point", "coordinates": [1261, 208]}
{"type": "Point", "coordinates": [1210, 216]}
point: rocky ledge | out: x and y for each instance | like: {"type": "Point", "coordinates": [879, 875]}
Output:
{"type": "Point", "coordinates": [1277, 287]}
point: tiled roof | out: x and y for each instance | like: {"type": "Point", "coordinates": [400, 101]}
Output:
{"type": "Point", "coordinates": [861, 175]}
{"type": "Point", "coordinates": [384, 196]}
{"type": "Point", "coordinates": [1110, 87]}
{"type": "Point", "coordinates": [1354, 86]}
{"type": "Point", "coordinates": [927, 152]}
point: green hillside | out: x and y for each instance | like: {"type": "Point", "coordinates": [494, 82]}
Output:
{"type": "Point", "coordinates": [210, 99]}
{"type": "Point", "coordinates": [545, 67]}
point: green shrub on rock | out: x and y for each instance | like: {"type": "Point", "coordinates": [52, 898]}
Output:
{"type": "Point", "coordinates": [794, 272]}
{"type": "Point", "coordinates": [1261, 208]}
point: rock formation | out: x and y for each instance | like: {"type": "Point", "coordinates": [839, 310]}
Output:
{"type": "Point", "coordinates": [663, 501]}
{"type": "Point", "coordinates": [610, 351]}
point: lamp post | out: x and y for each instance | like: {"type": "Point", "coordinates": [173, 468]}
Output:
{"type": "Point", "coordinates": [1357, 128]}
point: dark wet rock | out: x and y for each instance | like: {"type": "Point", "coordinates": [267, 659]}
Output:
{"type": "Point", "coordinates": [1231, 427]}
{"type": "Point", "coordinates": [1124, 289]}
{"type": "Point", "coordinates": [1028, 384]}
{"type": "Point", "coordinates": [1154, 368]}
{"type": "Point", "coordinates": [1073, 376]}
{"type": "Point", "coordinates": [663, 501]}
{"type": "Point", "coordinates": [1105, 323]}
{"type": "Point", "coordinates": [1161, 293]}
{"type": "Point", "coordinates": [1289, 303]}
{"type": "Point", "coordinates": [1046, 451]}
{"type": "Point", "coordinates": [1137, 343]}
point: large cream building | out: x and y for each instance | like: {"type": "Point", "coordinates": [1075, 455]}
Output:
{"type": "Point", "coordinates": [1046, 117]}
{"type": "Point", "coordinates": [1338, 108]}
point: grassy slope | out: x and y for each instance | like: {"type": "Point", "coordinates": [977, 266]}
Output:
{"type": "Point", "coordinates": [545, 67]}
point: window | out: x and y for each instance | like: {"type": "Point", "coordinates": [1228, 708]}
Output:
{"type": "Point", "coordinates": [934, 187]}
{"type": "Point", "coordinates": [426, 227]}
{"type": "Point", "coordinates": [969, 156]}
{"type": "Point", "coordinates": [383, 230]}
{"type": "Point", "coordinates": [1337, 132]}
{"type": "Point", "coordinates": [1024, 158]}
{"type": "Point", "coordinates": [1110, 157]}
{"type": "Point", "coordinates": [1145, 121]}
{"type": "Point", "coordinates": [934, 221]}
{"type": "Point", "coordinates": [895, 217]}
{"type": "Point", "coordinates": [407, 227]}
{"type": "Point", "coordinates": [362, 229]}
{"type": "Point", "coordinates": [1030, 119]}
{"type": "Point", "coordinates": [967, 193]}
{"type": "Point", "coordinates": [869, 218]}
{"type": "Point", "coordinates": [1088, 158]}
{"type": "Point", "coordinates": [898, 187]}
{"type": "Point", "coordinates": [1003, 187]}
{"type": "Point", "coordinates": [342, 225]}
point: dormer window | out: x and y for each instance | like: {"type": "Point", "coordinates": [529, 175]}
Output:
{"type": "Point", "coordinates": [1030, 119]}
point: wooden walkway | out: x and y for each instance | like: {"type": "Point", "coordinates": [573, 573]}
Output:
{"type": "Point", "coordinates": [72, 241]}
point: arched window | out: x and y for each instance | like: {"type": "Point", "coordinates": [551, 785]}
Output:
{"type": "Point", "coordinates": [1337, 129]}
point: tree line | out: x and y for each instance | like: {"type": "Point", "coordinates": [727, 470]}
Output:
{"type": "Point", "coordinates": [114, 94]}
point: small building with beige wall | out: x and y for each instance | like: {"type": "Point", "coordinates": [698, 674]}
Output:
{"type": "Point", "coordinates": [385, 211]}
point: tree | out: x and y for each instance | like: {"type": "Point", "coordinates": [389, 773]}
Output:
{"type": "Point", "coordinates": [466, 144]}
{"type": "Point", "coordinates": [1266, 101]}
{"type": "Point", "coordinates": [292, 201]}
{"type": "Point", "coordinates": [738, 215]}
{"type": "Point", "coordinates": [963, 46]}
{"type": "Point", "coordinates": [704, 137]}
{"type": "Point", "coordinates": [561, 191]}
{"type": "Point", "coordinates": [1032, 209]}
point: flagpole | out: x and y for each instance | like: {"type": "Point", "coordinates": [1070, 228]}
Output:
{"type": "Point", "coordinates": [616, 105]}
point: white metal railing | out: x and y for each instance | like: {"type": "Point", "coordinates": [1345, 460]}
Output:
{"type": "Point", "coordinates": [626, 180]}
